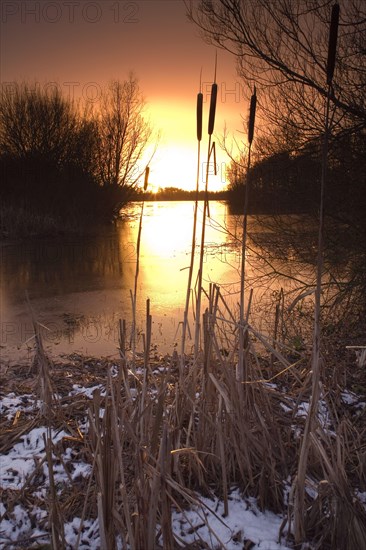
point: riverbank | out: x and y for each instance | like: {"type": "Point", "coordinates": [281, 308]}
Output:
{"type": "Point", "coordinates": [18, 223]}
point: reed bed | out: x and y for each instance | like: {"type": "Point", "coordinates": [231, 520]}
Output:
{"type": "Point", "coordinates": [157, 436]}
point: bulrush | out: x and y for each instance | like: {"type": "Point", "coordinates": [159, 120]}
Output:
{"type": "Point", "coordinates": [332, 46]}
{"type": "Point", "coordinates": [199, 115]}
{"type": "Point", "coordinates": [241, 371]}
{"type": "Point", "coordinates": [253, 106]}
{"type": "Point", "coordinates": [211, 148]}
{"type": "Point", "coordinates": [311, 425]}
{"type": "Point", "coordinates": [146, 181]}
{"type": "Point", "coordinates": [211, 119]}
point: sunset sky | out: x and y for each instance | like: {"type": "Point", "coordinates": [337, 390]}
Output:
{"type": "Point", "coordinates": [82, 45]}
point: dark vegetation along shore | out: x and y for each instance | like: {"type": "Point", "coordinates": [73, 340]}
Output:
{"type": "Point", "coordinates": [63, 166]}
{"type": "Point", "coordinates": [279, 417]}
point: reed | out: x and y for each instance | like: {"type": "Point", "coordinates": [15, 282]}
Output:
{"type": "Point", "coordinates": [155, 442]}
{"type": "Point", "coordinates": [134, 295]}
{"type": "Point", "coordinates": [243, 355]}
{"type": "Point", "coordinates": [101, 438]}
{"type": "Point", "coordinates": [199, 116]}
{"type": "Point", "coordinates": [56, 520]}
{"type": "Point", "coordinates": [210, 151]}
{"type": "Point", "coordinates": [310, 425]}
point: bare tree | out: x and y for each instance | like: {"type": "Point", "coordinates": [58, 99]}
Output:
{"type": "Point", "coordinates": [41, 124]}
{"type": "Point", "coordinates": [50, 157]}
{"type": "Point", "coordinates": [47, 149]}
{"type": "Point", "coordinates": [281, 46]}
{"type": "Point", "coordinates": [123, 134]}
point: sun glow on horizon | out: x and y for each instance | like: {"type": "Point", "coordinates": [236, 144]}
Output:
{"type": "Point", "coordinates": [174, 163]}
{"type": "Point", "coordinates": [176, 166]}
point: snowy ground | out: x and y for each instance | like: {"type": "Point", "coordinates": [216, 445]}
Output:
{"type": "Point", "coordinates": [244, 527]}
{"type": "Point", "coordinates": [24, 470]}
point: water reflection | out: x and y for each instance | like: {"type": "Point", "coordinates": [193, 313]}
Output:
{"type": "Point", "coordinates": [79, 288]}
{"type": "Point", "coordinates": [46, 268]}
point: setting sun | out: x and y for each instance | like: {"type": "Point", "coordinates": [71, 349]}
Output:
{"type": "Point", "coordinates": [176, 166]}
{"type": "Point", "coordinates": [174, 163]}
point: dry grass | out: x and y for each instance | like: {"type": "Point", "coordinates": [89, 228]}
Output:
{"type": "Point", "coordinates": [157, 433]}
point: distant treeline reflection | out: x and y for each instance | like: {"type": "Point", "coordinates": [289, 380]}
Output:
{"type": "Point", "coordinates": [176, 194]}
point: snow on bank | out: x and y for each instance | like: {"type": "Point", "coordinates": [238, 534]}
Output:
{"type": "Point", "coordinates": [245, 526]}
{"type": "Point", "coordinates": [25, 524]}
{"type": "Point", "coordinates": [27, 528]}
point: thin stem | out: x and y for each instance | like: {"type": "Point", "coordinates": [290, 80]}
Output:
{"type": "Point", "coordinates": [193, 247]}
{"type": "Point", "coordinates": [241, 374]}
{"type": "Point", "coordinates": [133, 332]}
{"type": "Point", "coordinates": [200, 270]}
{"type": "Point", "coordinates": [315, 360]}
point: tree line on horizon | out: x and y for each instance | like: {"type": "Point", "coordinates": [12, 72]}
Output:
{"type": "Point", "coordinates": [171, 193]}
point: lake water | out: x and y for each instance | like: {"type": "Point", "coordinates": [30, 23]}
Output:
{"type": "Point", "coordinates": [80, 287]}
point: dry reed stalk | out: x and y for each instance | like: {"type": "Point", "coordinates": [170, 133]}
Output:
{"type": "Point", "coordinates": [122, 339]}
{"type": "Point", "coordinates": [210, 321]}
{"type": "Point", "coordinates": [224, 476]}
{"type": "Point", "coordinates": [193, 500]}
{"type": "Point", "coordinates": [145, 381]}
{"type": "Point", "coordinates": [250, 430]}
{"type": "Point", "coordinates": [211, 124]}
{"type": "Point", "coordinates": [136, 427]}
{"type": "Point", "coordinates": [242, 367]}
{"type": "Point", "coordinates": [134, 295]}
{"type": "Point", "coordinates": [185, 411]}
{"type": "Point", "coordinates": [199, 112]}
{"type": "Point", "coordinates": [55, 519]}
{"type": "Point", "coordinates": [162, 490]}
{"type": "Point", "coordinates": [148, 336]}
{"type": "Point", "coordinates": [105, 465]}
{"type": "Point", "coordinates": [277, 321]}
{"type": "Point", "coordinates": [83, 513]}
{"type": "Point", "coordinates": [42, 366]}
{"type": "Point", "coordinates": [281, 358]}
{"type": "Point", "coordinates": [315, 361]}
{"type": "Point", "coordinates": [335, 515]}
{"type": "Point", "coordinates": [147, 486]}
{"type": "Point", "coordinates": [118, 426]}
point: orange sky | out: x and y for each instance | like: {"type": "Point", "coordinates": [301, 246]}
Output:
{"type": "Point", "coordinates": [81, 45]}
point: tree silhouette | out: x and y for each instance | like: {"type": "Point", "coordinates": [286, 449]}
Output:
{"type": "Point", "coordinates": [58, 160]}
{"type": "Point", "coordinates": [282, 48]}
{"type": "Point", "coordinates": [47, 151]}
{"type": "Point", "coordinates": [123, 134]}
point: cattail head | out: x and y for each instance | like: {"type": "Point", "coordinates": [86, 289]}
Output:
{"type": "Point", "coordinates": [199, 115]}
{"type": "Point", "coordinates": [253, 106]}
{"type": "Point", "coordinates": [211, 118]}
{"type": "Point", "coordinates": [146, 181]}
{"type": "Point", "coordinates": [332, 45]}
